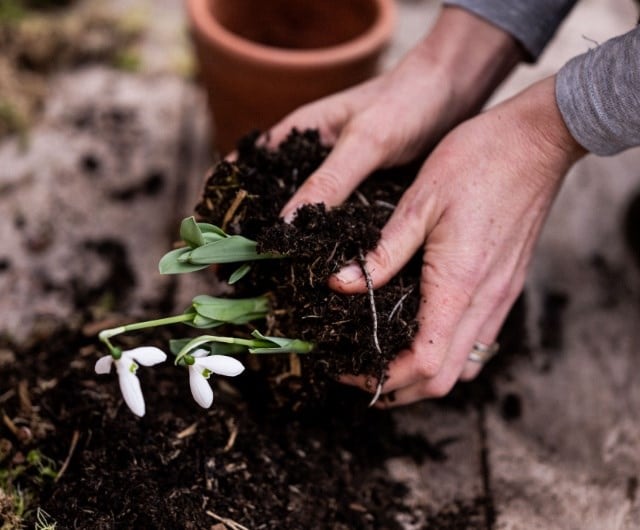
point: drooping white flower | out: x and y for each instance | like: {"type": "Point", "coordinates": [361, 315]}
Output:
{"type": "Point", "coordinates": [126, 366]}
{"type": "Point", "coordinates": [203, 366]}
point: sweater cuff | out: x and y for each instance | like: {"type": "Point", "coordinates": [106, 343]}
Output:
{"type": "Point", "coordinates": [532, 23]}
{"type": "Point", "coordinates": [598, 94]}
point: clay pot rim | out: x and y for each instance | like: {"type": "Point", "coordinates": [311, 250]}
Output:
{"type": "Point", "coordinates": [376, 37]}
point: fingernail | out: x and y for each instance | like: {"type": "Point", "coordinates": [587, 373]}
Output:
{"type": "Point", "coordinates": [349, 274]}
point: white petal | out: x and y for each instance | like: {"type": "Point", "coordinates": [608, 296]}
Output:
{"type": "Point", "coordinates": [131, 391]}
{"type": "Point", "coordinates": [103, 365]}
{"type": "Point", "coordinates": [221, 364]}
{"type": "Point", "coordinates": [200, 389]}
{"type": "Point", "coordinates": [146, 355]}
{"type": "Point", "coordinates": [200, 352]}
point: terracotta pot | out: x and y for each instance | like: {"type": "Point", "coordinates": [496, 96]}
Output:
{"type": "Point", "coordinates": [261, 59]}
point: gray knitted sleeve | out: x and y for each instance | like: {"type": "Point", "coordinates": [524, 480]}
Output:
{"type": "Point", "coordinates": [530, 22]}
{"type": "Point", "coordinates": [598, 94]}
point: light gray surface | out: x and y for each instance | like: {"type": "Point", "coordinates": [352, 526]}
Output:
{"type": "Point", "coordinates": [139, 129]}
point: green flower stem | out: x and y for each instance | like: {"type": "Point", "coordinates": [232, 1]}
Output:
{"type": "Point", "coordinates": [203, 339]}
{"type": "Point", "coordinates": [106, 334]}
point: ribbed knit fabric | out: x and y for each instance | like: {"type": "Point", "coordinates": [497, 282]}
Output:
{"type": "Point", "coordinates": [598, 94]}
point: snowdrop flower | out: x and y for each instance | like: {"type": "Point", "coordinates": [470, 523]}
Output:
{"type": "Point", "coordinates": [126, 365]}
{"type": "Point", "coordinates": [202, 366]}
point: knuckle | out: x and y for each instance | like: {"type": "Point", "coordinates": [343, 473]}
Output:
{"type": "Point", "coordinates": [382, 258]}
{"type": "Point", "coordinates": [460, 286]}
{"type": "Point", "coordinates": [437, 388]}
{"type": "Point", "coordinates": [325, 185]}
{"type": "Point", "coordinates": [366, 128]}
{"type": "Point", "coordinates": [501, 293]}
{"type": "Point", "coordinates": [428, 368]}
{"type": "Point", "coordinates": [469, 374]}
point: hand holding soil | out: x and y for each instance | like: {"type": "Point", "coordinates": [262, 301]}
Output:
{"type": "Point", "coordinates": [477, 205]}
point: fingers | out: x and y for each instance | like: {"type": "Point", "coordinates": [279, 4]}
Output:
{"type": "Point", "coordinates": [328, 115]}
{"type": "Point", "coordinates": [354, 157]}
{"type": "Point", "coordinates": [415, 216]}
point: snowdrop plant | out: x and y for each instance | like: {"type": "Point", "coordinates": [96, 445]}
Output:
{"type": "Point", "coordinates": [201, 365]}
{"type": "Point", "coordinates": [205, 244]}
{"type": "Point", "coordinates": [127, 365]}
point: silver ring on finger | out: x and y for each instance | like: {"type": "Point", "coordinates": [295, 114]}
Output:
{"type": "Point", "coordinates": [481, 353]}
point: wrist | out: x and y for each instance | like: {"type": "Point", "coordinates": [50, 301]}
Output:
{"type": "Point", "coordinates": [537, 110]}
{"type": "Point", "coordinates": [471, 55]}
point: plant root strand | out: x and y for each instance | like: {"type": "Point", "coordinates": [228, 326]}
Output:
{"type": "Point", "coordinates": [374, 318]}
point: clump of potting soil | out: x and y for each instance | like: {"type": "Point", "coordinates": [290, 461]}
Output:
{"type": "Point", "coordinates": [357, 334]}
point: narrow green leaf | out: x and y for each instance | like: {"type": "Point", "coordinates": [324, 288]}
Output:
{"type": "Point", "coordinates": [280, 345]}
{"type": "Point", "coordinates": [170, 263]}
{"type": "Point", "coordinates": [175, 345]}
{"type": "Point", "coordinates": [239, 273]}
{"type": "Point", "coordinates": [190, 232]}
{"type": "Point", "coordinates": [218, 348]}
{"type": "Point", "coordinates": [210, 237]}
{"type": "Point", "coordinates": [235, 311]}
{"type": "Point", "coordinates": [205, 323]}
{"type": "Point", "coordinates": [229, 250]}
{"type": "Point", "coordinates": [209, 229]}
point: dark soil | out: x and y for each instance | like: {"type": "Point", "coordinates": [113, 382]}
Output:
{"type": "Point", "coordinates": [306, 453]}
{"type": "Point", "coordinates": [318, 243]}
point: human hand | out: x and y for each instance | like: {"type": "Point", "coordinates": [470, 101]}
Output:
{"type": "Point", "coordinates": [477, 206]}
{"type": "Point", "coordinates": [400, 115]}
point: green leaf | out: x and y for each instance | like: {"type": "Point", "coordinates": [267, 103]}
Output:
{"type": "Point", "coordinates": [234, 311]}
{"type": "Point", "coordinates": [229, 250]}
{"type": "Point", "coordinates": [239, 273]}
{"type": "Point", "coordinates": [218, 348]}
{"type": "Point", "coordinates": [175, 345]}
{"type": "Point", "coordinates": [205, 323]}
{"type": "Point", "coordinates": [280, 345]}
{"type": "Point", "coordinates": [210, 237]}
{"type": "Point", "coordinates": [170, 263]}
{"type": "Point", "coordinates": [190, 232]}
{"type": "Point", "coordinates": [212, 230]}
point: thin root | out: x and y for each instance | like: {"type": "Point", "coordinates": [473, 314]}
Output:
{"type": "Point", "coordinates": [372, 301]}
{"type": "Point", "coordinates": [399, 303]}
{"type": "Point", "coordinates": [377, 395]}
{"type": "Point", "coordinates": [374, 318]}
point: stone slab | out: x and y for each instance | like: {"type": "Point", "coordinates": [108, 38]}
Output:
{"type": "Point", "coordinates": [95, 195]}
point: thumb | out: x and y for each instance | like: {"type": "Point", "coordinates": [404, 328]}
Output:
{"type": "Point", "coordinates": [350, 162]}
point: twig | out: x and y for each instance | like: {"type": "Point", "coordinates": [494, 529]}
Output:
{"type": "Point", "coordinates": [233, 434]}
{"type": "Point", "coordinates": [224, 520]}
{"type": "Point", "coordinates": [374, 318]}
{"type": "Point", "coordinates": [240, 196]}
{"type": "Point", "coordinates": [74, 442]}
{"type": "Point", "coordinates": [189, 431]}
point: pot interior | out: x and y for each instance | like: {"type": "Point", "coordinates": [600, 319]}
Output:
{"type": "Point", "coordinates": [296, 24]}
